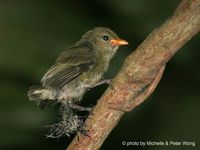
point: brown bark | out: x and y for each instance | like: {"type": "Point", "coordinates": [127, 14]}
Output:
{"type": "Point", "coordinates": [140, 74]}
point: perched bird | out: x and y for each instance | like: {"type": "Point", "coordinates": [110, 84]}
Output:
{"type": "Point", "coordinates": [76, 70]}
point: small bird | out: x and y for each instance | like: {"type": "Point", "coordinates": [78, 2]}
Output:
{"type": "Point", "coordinates": [77, 69]}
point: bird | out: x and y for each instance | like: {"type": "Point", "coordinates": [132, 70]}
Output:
{"type": "Point", "coordinates": [77, 69]}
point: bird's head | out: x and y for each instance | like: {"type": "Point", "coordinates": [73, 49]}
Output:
{"type": "Point", "coordinates": [103, 40]}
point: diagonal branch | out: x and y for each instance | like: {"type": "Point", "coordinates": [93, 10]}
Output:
{"type": "Point", "coordinates": [140, 74]}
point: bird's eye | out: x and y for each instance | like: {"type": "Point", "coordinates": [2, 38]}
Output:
{"type": "Point", "coordinates": [105, 38]}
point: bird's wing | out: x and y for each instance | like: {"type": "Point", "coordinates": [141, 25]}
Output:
{"type": "Point", "coordinates": [72, 63]}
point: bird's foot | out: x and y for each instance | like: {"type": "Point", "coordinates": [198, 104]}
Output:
{"type": "Point", "coordinates": [106, 81]}
{"type": "Point", "coordinates": [80, 108]}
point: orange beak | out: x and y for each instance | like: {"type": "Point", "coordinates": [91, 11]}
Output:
{"type": "Point", "coordinates": [118, 42]}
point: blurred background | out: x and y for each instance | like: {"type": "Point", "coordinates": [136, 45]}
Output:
{"type": "Point", "coordinates": [34, 32]}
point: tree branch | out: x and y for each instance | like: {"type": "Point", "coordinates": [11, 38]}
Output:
{"type": "Point", "coordinates": [140, 74]}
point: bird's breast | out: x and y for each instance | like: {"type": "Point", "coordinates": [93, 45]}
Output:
{"type": "Point", "coordinates": [95, 73]}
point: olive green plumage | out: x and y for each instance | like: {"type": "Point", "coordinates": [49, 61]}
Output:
{"type": "Point", "coordinates": [78, 68]}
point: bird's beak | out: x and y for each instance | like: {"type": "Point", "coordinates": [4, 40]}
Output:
{"type": "Point", "coordinates": [118, 42]}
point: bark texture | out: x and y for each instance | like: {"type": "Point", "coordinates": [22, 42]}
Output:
{"type": "Point", "coordinates": [140, 74]}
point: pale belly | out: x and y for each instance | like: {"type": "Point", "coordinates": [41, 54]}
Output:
{"type": "Point", "coordinates": [75, 89]}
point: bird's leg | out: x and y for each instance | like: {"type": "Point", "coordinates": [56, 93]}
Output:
{"type": "Point", "coordinates": [106, 81]}
{"type": "Point", "coordinates": [79, 108]}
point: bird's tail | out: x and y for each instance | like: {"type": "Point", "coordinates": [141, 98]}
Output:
{"type": "Point", "coordinates": [42, 96]}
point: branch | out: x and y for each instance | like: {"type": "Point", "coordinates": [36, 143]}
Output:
{"type": "Point", "coordinates": [140, 74]}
